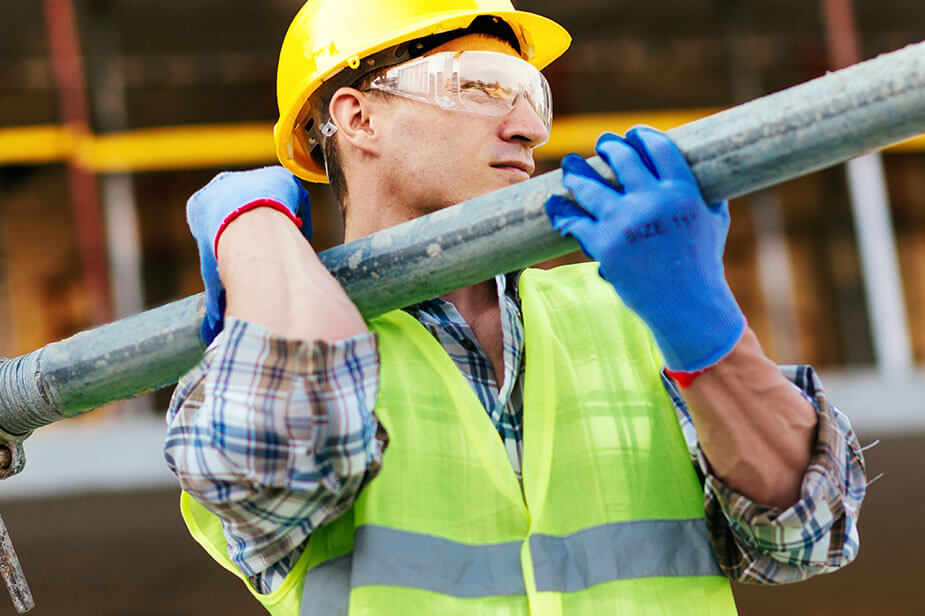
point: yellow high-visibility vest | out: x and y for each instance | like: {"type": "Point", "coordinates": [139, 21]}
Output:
{"type": "Point", "coordinates": [609, 520]}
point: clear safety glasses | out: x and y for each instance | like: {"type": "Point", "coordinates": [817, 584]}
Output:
{"type": "Point", "coordinates": [484, 82]}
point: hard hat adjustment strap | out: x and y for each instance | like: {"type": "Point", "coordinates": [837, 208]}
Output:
{"type": "Point", "coordinates": [329, 128]}
{"type": "Point", "coordinates": [314, 132]}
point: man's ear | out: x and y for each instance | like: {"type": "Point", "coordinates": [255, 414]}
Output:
{"type": "Point", "coordinates": [352, 112]}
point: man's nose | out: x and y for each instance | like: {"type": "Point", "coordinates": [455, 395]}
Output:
{"type": "Point", "coordinates": [524, 123]}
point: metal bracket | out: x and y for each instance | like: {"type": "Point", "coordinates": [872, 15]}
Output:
{"type": "Point", "coordinates": [12, 461]}
{"type": "Point", "coordinates": [13, 574]}
{"type": "Point", "coordinates": [12, 454]}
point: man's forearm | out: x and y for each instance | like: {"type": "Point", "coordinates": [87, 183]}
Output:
{"type": "Point", "coordinates": [276, 436]}
{"type": "Point", "coordinates": [755, 428]}
{"type": "Point", "coordinates": [273, 277]}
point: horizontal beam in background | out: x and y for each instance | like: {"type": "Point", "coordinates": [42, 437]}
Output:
{"type": "Point", "coordinates": [767, 141]}
{"type": "Point", "coordinates": [206, 146]}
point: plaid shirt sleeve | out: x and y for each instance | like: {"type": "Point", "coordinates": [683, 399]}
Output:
{"type": "Point", "coordinates": [759, 544]}
{"type": "Point", "coordinates": [275, 436]}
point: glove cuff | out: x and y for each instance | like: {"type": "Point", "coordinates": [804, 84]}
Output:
{"type": "Point", "coordinates": [247, 207]}
{"type": "Point", "coordinates": [694, 348]}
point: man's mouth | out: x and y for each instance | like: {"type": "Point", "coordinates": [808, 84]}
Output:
{"type": "Point", "coordinates": [515, 166]}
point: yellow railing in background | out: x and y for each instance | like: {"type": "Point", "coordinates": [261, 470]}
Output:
{"type": "Point", "coordinates": [220, 145]}
{"type": "Point", "coordinates": [177, 147]}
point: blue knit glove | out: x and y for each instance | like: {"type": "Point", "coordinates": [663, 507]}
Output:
{"type": "Point", "coordinates": [226, 197]}
{"type": "Point", "coordinates": [657, 243]}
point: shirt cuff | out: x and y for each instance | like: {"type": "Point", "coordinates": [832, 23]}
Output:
{"type": "Point", "coordinates": [816, 534]}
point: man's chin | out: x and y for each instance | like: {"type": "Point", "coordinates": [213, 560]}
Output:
{"type": "Point", "coordinates": [495, 183]}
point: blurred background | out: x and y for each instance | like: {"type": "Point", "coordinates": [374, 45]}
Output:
{"type": "Point", "coordinates": [112, 112]}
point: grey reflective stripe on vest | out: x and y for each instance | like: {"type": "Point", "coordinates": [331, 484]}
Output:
{"type": "Point", "coordinates": [327, 588]}
{"type": "Point", "coordinates": [621, 550]}
{"type": "Point", "coordinates": [385, 556]}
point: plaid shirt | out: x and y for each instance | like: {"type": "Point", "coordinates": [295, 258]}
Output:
{"type": "Point", "coordinates": [278, 437]}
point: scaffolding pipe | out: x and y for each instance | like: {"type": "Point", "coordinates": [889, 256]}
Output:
{"type": "Point", "coordinates": [870, 205]}
{"type": "Point", "coordinates": [120, 209]}
{"type": "Point", "coordinates": [771, 249]}
{"type": "Point", "coordinates": [815, 125]}
{"type": "Point", "coordinates": [67, 64]}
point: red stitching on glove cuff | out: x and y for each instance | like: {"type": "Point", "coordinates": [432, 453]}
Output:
{"type": "Point", "coordinates": [253, 205]}
{"type": "Point", "coordinates": [684, 379]}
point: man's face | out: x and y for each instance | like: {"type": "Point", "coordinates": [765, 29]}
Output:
{"type": "Point", "coordinates": [442, 157]}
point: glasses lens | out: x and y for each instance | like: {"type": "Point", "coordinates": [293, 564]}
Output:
{"type": "Point", "coordinates": [491, 82]}
{"type": "Point", "coordinates": [411, 80]}
{"type": "Point", "coordinates": [483, 82]}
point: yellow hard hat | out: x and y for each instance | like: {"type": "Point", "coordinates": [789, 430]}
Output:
{"type": "Point", "coordinates": [328, 36]}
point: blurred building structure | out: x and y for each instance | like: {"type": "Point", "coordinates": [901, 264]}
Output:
{"type": "Point", "coordinates": [178, 91]}
{"type": "Point", "coordinates": [175, 93]}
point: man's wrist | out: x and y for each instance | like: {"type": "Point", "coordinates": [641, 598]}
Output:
{"type": "Point", "coordinates": [253, 205]}
{"type": "Point", "coordinates": [273, 277]}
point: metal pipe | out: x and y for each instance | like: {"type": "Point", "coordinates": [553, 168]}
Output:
{"type": "Point", "coordinates": [120, 209]}
{"type": "Point", "coordinates": [883, 292]}
{"type": "Point", "coordinates": [12, 574]}
{"type": "Point", "coordinates": [746, 148]}
{"type": "Point", "coordinates": [775, 279]}
{"type": "Point", "coordinates": [843, 39]}
{"type": "Point", "coordinates": [870, 205]}
{"type": "Point", "coordinates": [64, 49]}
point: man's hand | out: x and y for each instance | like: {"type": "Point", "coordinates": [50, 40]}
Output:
{"type": "Point", "coordinates": [229, 195]}
{"type": "Point", "coordinates": [658, 244]}
{"type": "Point", "coordinates": [661, 247]}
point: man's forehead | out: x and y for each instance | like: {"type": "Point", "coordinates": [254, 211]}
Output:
{"type": "Point", "coordinates": [476, 42]}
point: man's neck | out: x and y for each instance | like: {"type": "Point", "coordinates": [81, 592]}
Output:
{"type": "Point", "coordinates": [371, 207]}
{"type": "Point", "coordinates": [377, 205]}
{"type": "Point", "coordinates": [356, 227]}
{"type": "Point", "coordinates": [479, 305]}
{"type": "Point", "coordinates": [474, 299]}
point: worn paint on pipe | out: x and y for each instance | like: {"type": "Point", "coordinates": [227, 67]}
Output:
{"type": "Point", "coordinates": [767, 141]}
{"type": "Point", "coordinates": [112, 362]}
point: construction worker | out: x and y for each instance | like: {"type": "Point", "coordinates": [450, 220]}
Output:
{"type": "Point", "coordinates": [628, 448]}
